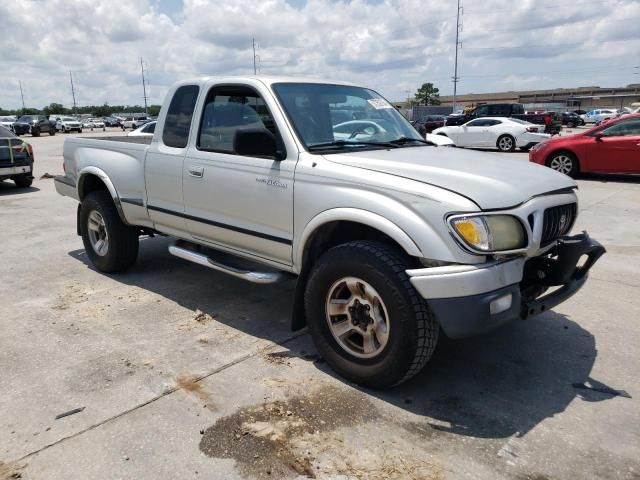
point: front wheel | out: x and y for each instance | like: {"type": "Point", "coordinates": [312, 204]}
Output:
{"type": "Point", "coordinates": [52, 132]}
{"type": "Point", "coordinates": [506, 143]}
{"type": "Point", "coordinates": [570, 125]}
{"type": "Point", "coordinates": [564, 162]}
{"type": "Point", "coordinates": [111, 245]}
{"type": "Point", "coordinates": [35, 132]}
{"type": "Point", "coordinates": [366, 319]}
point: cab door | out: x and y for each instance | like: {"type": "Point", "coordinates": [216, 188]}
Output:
{"type": "Point", "coordinates": [473, 133]}
{"type": "Point", "coordinates": [239, 202]}
{"type": "Point", "coordinates": [616, 148]}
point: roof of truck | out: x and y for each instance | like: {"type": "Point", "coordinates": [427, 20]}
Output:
{"type": "Point", "coordinates": [266, 79]}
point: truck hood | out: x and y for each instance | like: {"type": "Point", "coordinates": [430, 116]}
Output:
{"type": "Point", "coordinates": [492, 181]}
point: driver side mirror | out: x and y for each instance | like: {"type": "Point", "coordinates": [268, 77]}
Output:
{"type": "Point", "coordinates": [256, 142]}
{"type": "Point", "coordinates": [598, 136]}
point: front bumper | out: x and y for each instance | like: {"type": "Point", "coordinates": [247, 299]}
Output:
{"type": "Point", "coordinates": [21, 128]}
{"type": "Point", "coordinates": [469, 300]}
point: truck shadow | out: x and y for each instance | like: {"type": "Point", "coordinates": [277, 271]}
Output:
{"type": "Point", "coordinates": [494, 386]}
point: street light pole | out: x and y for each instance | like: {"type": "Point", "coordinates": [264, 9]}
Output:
{"type": "Point", "coordinates": [455, 71]}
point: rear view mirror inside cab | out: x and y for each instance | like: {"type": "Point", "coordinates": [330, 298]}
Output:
{"type": "Point", "coordinates": [334, 98]}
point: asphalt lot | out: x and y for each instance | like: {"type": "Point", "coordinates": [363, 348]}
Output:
{"type": "Point", "coordinates": [187, 373]}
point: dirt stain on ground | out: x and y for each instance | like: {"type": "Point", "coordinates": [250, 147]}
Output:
{"type": "Point", "coordinates": [10, 471]}
{"type": "Point", "coordinates": [260, 438]}
{"type": "Point", "coordinates": [191, 385]}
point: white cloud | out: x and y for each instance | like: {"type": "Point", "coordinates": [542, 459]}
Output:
{"type": "Point", "coordinates": [392, 45]}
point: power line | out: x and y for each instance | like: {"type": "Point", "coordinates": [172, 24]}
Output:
{"type": "Point", "coordinates": [144, 87]}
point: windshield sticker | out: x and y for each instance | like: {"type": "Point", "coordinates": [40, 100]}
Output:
{"type": "Point", "coordinates": [379, 103]}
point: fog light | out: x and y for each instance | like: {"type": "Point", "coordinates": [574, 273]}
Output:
{"type": "Point", "coordinates": [501, 304]}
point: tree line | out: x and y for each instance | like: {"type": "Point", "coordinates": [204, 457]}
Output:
{"type": "Point", "coordinates": [94, 110]}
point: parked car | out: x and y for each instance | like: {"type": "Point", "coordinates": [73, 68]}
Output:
{"type": "Point", "coordinates": [571, 119]}
{"type": "Point", "coordinates": [505, 134]}
{"type": "Point", "coordinates": [610, 148]}
{"type": "Point", "coordinates": [456, 119]}
{"type": "Point", "coordinates": [431, 122]}
{"type": "Point", "coordinates": [68, 124]}
{"type": "Point", "coordinates": [497, 110]}
{"type": "Point", "coordinates": [16, 159]}
{"type": "Point", "coordinates": [111, 122]}
{"type": "Point", "coordinates": [97, 123]}
{"type": "Point", "coordinates": [33, 124]}
{"type": "Point", "coordinates": [145, 130]}
{"type": "Point", "coordinates": [596, 116]}
{"type": "Point", "coordinates": [7, 122]}
{"type": "Point", "coordinates": [133, 123]}
{"type": "Point", "coordinates": [391, 241]}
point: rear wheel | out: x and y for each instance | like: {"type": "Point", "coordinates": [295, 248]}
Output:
{"type": "Point", "coordinates": [570, 125]}
{"type": "Point", "coordinates": [52, 131]}
{"type": "Point", "coordinates": [23, 181]}
{"type": "Point", "coordinates": [111, 245]}
{"type": "Point", "coordinates": [366, 319]}
{"type": "Point", "coordinates": [564, 162]}
{"type": "Point", "coordinates": [506, 143]}
{"type": "Point", "coordinates": [79, 130]}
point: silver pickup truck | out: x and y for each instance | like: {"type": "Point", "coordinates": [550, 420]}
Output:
{"type": "Point", "coordinates": [393, 240]}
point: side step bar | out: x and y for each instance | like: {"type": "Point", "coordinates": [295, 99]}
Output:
{"type": "Point", "coordinates": [204, 260]}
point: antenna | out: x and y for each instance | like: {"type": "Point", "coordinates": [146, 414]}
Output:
{"type": "Point", "coordinates": [22, 96]}
{"type": "Point", "coordinates": [73, 92]}
{"type": "Point", "coordinates": [456, 79]}
{"type": "Point", "coordinates": [144, 87]}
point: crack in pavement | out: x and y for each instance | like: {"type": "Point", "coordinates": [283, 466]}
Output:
{"type": "Point", "coordinates": [167, 392]}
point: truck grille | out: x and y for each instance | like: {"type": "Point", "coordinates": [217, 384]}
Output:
{"type": "Point", "coordinates": [557, 222]}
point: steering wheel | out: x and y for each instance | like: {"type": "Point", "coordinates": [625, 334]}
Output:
{"type": "Point", "coordinates": [369, 130]}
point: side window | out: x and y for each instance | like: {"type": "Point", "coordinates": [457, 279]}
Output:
{"type": "Point", "coordinates": [491, 123]}
{"type": "Point", "coordinates": [178, 121]}
{"type": "Point", "coordinates": [623, 129]}
{"type": "Point", "coordinates": [228, 109]}
{"type": "Point", "coordinates": [482, 110]}
{"type": "Point", "coordinates": [476, 123]}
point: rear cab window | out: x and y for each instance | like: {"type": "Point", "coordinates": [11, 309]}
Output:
{"type": "Point", "coordinates": [178, 121]}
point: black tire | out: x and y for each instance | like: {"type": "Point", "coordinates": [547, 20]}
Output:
{"type": "Point", "coordinates": [35, 132]}
{"type": "Point", "coordinates": [413, 330]}
{"type": "Point", "coordinates": [570, 125]}
{"type": "Point", "coordinates": [506, 143]}
{"type": "Point", "coordinates": [564, 162]}
{"type": "Point", "coordinates": [525, 149]}
{"type": "Point", "coordinates": [122, 249]}
{"type": "Point", "coordinates": [52, 131]}
{"type": "Point", "coordinates": [23, 181]}
{"type": "Point", "coordinates": [79, 130]}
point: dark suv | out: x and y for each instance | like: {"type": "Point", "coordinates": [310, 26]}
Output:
{"type": "Point", "coordinates": [33, 124]}
{"type": "Point", "coordinates": [16, 159]}
{"type": "Point", "coordinates": [571, 119]}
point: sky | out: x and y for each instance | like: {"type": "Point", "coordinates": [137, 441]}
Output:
{"type": "Point", "coordinates": [392, 46]}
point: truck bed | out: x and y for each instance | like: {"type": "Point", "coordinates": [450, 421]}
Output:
{"type": "Point", "coordinates": [125, 139]}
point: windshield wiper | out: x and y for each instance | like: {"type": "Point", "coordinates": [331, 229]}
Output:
{"type": "Point", "coordinates": [344, 143]}
{"type": "Point", "coordinates": [405, 140]}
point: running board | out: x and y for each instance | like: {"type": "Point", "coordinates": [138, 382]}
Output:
{"type": "Point", "coordinates": [248, 275]}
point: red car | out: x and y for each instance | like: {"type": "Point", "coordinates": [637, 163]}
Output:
{"type": "Point", "coordinates": [613, 147]}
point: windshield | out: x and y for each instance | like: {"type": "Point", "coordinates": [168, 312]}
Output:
{"type": "Point", "coordinates": [354, 117]}
{"type": "Point", "coordinates": [68, 119]}
{"type": "Point", "coordinates": [25, 118]}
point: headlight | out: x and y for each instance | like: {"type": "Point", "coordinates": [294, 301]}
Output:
{"type": "Point", "coordinates": [539, 146]}
{"type": "Point", "coordinates": [489, 233]}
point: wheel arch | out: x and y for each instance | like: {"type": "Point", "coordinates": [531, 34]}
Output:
{"type": "Point", "coordinates": [91, 179]}
{"type": "Point", "coordinates": [334, 227]}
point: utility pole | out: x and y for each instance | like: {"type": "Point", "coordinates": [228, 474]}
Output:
{"type": "Point", "coordinates": [144, 87]}
{"type": "Point", "coordinates": [456, 79]}
{"type": "Point", "coordinates": [22, 97]}
{"type": "Point", "coordinates": [73, 92]}
{"type": "Point", "coordinates": [255, 71]}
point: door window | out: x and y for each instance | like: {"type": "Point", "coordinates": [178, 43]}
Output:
{"type": "Point", "coordinates": [228, 109]}
{"type": "Point", "coordinates": [623, 129]}
{"type": "Point", "coordinates": [178, 121]}
{"type": "Point", "coordinates": [477, 123]}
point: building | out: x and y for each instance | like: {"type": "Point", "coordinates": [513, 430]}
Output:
{"type": "Point", "coordinates": [583, 98]}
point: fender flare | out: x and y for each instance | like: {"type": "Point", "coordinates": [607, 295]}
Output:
{"type": "Point", "coordinates": [108, 183]}
{"type": "Point", "coordinates": [358, 216]}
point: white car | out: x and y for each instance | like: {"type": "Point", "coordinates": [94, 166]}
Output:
{"type": "Point", "coordinates": [133, 123]}
{"type": "Point", "coordinates": [145, 130]}
{"type": "Point", "coordinates": [505, 134]}
{"type": "Point", "coordinates": [67, 124]}
{"type": "Point", "coordinates": [97, 123]}
{"type": "Point", "coordinates": [7, 122]}
{"type": "Point", "coordinates": [374, 131]}
{"type": "Point", "coordinates": [596, 116]}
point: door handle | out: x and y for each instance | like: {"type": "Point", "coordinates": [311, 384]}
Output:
{"type": "Point", "coordinates": [197, 172]}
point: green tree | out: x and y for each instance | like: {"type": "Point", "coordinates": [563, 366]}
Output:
{"type": "Point", "coordinates": [427, 94]}
{"type": "Point", "coordinates": [54, 108]}
{"type": "Point", "coordinates": [102, 111]}
{"type": "Point", "coordinates": [154, 110]}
